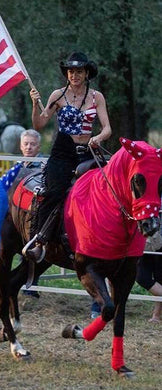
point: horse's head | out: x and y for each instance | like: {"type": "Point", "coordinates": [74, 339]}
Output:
{"type": "Point", "coordinates": [145, 177]}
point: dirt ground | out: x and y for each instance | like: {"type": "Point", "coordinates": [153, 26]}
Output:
{"type": "Point", "coordinates": [65, 364]}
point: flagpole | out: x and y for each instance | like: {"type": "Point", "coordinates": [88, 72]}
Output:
{"type": "Point", "coordinates": [22, 64]}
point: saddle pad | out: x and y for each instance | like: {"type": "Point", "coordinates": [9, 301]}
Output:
{"type": "Point", "coordinates": [34, 179]}
{"type": "Point", "coordinates": [23, 197]}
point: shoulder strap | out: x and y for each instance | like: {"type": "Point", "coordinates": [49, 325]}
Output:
{"type": "Point", "coordinates": [94, 98]}
{"type": "Point", "coordinates": [65, 97]}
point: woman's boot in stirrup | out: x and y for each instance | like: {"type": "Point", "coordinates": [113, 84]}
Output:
{"type": "Point", "coordinates": [37, 253]}
{"type": "Point", "coordinates": [39, 240]}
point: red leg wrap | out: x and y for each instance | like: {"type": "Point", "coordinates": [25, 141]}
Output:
{"type": "Point", "coordinates": [117, 360]}
{"type": "Point", "coordinates": [92, 329]}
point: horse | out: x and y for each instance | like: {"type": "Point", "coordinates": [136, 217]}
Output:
{"type": "Point", "coordinates": [108, 214]}
{"type": "Point", "coordinates": [10, 132]}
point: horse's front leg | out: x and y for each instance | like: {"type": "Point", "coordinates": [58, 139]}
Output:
{"type": "Point", "coordinates": [122, 284]}
{"type": "Point", "coordinates": [16, 349]}
{"type": "Point", "coordinates": [94, 282]}
{"type": "Point", "coordinates": [19, 277]}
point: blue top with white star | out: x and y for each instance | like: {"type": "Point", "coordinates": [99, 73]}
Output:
{"type": "Point", "coordinates": [70, 120]}
{"type": "Point", "coordinates": [8, 178]}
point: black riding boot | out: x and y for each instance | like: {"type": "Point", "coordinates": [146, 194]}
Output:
{"type": "Point", "coordinates": [43, 237]}
{"type": "Point", "coordinates": [37, 253]}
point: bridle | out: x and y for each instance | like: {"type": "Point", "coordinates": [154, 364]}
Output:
{"type": "Point", "coordinates": [122, 208]}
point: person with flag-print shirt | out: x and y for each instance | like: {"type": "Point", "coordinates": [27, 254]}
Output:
{"type": "Point", "coordinates": [6, 182]}
{"type": "Point", "coordinates": [76, 106]}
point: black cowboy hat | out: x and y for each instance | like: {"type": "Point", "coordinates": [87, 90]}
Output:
{"type": "Point", "coordinates": [79, 60]}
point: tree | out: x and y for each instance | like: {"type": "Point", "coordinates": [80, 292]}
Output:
{"type": "Point", "coordinates": [122, 36]}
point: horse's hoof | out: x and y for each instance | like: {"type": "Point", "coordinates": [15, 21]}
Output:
{"type": "Point", "coordinates": [125, 372]}
{"type": "Point", "coordinates": [19, 356]}
{"type": "Point", "coordinates": [72, 332]}
{"type": "Point", "coordinates": [18, 352]}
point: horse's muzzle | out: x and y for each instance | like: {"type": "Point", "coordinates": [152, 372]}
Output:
{"type": "Point", "coordinates": [149, 226]}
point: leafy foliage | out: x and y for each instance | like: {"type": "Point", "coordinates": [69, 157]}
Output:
{"type": "Point", "coordinates": [122, 36]}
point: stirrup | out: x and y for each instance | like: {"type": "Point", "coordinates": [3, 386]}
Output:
{"type": "Point", "coordinates": [28, 245]}
{"type": "Point", "coordinates": [35, 257]}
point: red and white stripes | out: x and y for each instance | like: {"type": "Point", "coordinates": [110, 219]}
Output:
{"type": "Point", "coordinates": [11, 70]}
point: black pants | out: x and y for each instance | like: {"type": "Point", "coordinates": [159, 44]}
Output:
{"type": "Point", "coordinates": [149, 270]}
{"type": "Point", "coordinates": [59, 173]}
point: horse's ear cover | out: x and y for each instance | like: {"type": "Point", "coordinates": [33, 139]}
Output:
{"type": "Point", "coordinates": [135, 150]}
{"type": "Point", "coordinates": [159, 153]}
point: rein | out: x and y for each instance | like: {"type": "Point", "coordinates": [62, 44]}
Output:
{"type": "Point", "coordinates": [122, 208]}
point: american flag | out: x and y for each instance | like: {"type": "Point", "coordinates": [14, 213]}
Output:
{"type": "Point", "coordinates": [12, 70]}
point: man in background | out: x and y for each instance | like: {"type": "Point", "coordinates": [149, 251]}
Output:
{"type": "Point", "coordinates": [30, 143]}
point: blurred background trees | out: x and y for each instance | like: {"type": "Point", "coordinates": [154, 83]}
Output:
{"type": "Point", "coordinates": [124, 38]}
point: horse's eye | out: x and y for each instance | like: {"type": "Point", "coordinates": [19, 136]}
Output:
{"type": "Point", "coordinates": [138, 185]}
{"type": "Point", "coordinates": [160, 186]}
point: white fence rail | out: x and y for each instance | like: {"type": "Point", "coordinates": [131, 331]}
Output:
{"type": "Point", "coordinates": [73, 291]}
{"type": "Point", "coordinates": [21, 158]}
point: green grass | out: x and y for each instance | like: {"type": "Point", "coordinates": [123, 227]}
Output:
{"type": "Point", "coordinates": [72, 282]}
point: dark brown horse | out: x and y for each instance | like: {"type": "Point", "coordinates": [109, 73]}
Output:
{"type": "Point", "coordinates": [121, 205]}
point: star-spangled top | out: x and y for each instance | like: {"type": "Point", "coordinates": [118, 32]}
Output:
{"type": "Point", "coordinates": [74, 121]}
{"type": "Point", "coordinates": [8, 178]}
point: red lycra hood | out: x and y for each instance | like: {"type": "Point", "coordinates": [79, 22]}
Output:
{"type": "Point", "coordinates": [146, 160]}
{"type": "Point", "coordinates": [93, 219]}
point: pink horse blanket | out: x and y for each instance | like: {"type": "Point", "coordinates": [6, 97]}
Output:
{"type": "Point", "coordinates": [94, 222]}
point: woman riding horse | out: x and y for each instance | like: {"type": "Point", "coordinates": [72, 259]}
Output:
{"type": "Point", "coordinates": [76, 106]}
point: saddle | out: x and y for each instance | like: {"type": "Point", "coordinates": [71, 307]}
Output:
{"type": "Point", "coordinates": [86, 165]}
{"type": "Point", "coordinates": [29, 187]}
{"type": "Point", "coordinates": [32, 185]}
{"type": "Point", "coordinates": [34, 182]}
